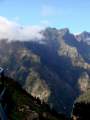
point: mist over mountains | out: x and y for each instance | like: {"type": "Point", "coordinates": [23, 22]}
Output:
{"type": "Point", "coordinates": [56, 70]}
{"type": "Point", "coordinates": [12, 30]}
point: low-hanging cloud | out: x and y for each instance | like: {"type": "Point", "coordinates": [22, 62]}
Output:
{"type": "Point", "coordinates": [13, 31]}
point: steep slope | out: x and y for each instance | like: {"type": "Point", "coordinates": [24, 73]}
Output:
{"type": "Point", "coordinates": [22, 106]}
{"type": "Point", "coordinates": [56, 70]}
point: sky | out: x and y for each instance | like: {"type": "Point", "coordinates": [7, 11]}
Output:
{"type": "Point", "coordinates": [72, 14]}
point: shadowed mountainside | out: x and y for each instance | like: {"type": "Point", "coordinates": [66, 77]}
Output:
{"type": "Point", "coordinates": [22, 106]}
{"type": "Point", "coordinates": [81, 108]}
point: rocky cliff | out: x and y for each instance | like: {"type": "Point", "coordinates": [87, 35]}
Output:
{"type": "Point", "coordinates": [56, 70]}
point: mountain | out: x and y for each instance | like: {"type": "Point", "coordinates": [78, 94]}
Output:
{"type": "Point", "coordinates": [84, 36]}
{"type": "Point", "coordinates": [55, 69]}
{"type": "Point", "coordinates": [19, 105]}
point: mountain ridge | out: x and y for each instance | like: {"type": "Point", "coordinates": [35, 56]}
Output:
{"type": "Point", "coordinates": [59, 66]}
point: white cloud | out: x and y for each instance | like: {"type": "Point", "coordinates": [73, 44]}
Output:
{"type": "Point", "coordinates": [13, 31]}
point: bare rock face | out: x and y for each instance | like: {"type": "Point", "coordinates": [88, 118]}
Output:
{"type": "Point", "coordinates": [37, 87]}
{"type": "Point", "coordinates": [84, 36]}
{"type": "Point", "coordinates": [84, 82]}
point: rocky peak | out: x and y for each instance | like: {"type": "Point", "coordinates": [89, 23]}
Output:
{"type": "Point", "coordinates": [84, 37]}
{"type": "Point", "coordinates": [85, 34]}
{"type": "Point", "coordinates": [64, 31]}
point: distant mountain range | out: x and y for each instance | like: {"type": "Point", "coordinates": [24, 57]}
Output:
{"type": "Point", "coordinates": [56, 69]}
